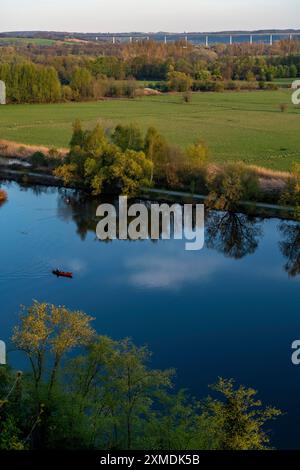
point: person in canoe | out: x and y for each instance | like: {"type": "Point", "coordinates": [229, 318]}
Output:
{"type": "Point", "coordinates": [59, 273]}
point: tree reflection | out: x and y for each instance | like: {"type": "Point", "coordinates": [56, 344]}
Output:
{"type": "Point", "coordinates": [290, 247]}
{"type": "Point", "coordinates": [77, 207]}
{"type": "Point", "coordinates": [235, 235]}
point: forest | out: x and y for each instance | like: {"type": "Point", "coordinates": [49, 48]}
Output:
{"type": "Point", "coordinates": [86, 71]}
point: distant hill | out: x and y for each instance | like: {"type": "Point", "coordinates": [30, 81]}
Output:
{"type": "Point", "coordinates": [60, 35]}
{"type": "Point", "coordinates": [197, 38]}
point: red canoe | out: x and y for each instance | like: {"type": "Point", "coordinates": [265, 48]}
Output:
{"type": "Point", "coordinates": [62, 274]}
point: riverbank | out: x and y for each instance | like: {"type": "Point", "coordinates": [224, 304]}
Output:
{"type": "Point", "coordinates": [260, 209]}
{"type": "Point", "coordinates": [11, 149]}
{"type": "Point", "coordinates": [271, 181]}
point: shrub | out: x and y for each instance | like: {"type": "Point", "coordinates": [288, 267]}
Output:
{"type": "Point", "coordinates": [218, 87]}
{"type": "Point", "coordinates": [291, 194]}
{"type": "Point", "coordinates": [283, 107]}
{"type": "Point", "coordinates": [38, 159]}
{"type": "Point", "coordinates": [187, 97]}
{"type": "Point", "coordinates": [233, 85]}
{"type": "Point", "coordinates": [67, 93]}
{"type": "Point", "coordinates": [272, 86]}
{"type": "Point", "coordinates": [232, 184]}
{"type": "Point", "coordinates": [179, 81]}
{"type": "Point", "coordinates": [128, 137]}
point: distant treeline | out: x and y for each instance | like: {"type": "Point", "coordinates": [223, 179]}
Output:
{"type": "Point", "coordinates": [67, 72]}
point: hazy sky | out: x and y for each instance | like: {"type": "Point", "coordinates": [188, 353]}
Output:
{"type": "Point", "coordinates": [148, 15]}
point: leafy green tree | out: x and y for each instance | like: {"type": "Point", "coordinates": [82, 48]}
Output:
{"type": "Point", "coordinates": [48, 333]}
{"type": "Point", "coordinates": [230, 185]}
{"type": "Point", "coordinates": [100, 166]}
{"type": "Point", "coordinates": [82, 83]}
{"type": "Point", "coordinates": [108, 396]}
{"type": "Point", "coordinates": [78, 135]}
{"type": "Point", "coordinates": [156, 149]}
{"type": "Point", "coordinates": [179, 81]}
{"type": "Point", "coordinates": [179, 424]}
{"type": "Point", "coordinates": [196, 156]}
{"type": "Point", "coordinates": [291, 193]}
{"type": "Point", "coordinates": [240, 417]}
{"type": "Point", "coordinates": [128, 137]}
{"type": "Point", "coordinates": [119, 388]}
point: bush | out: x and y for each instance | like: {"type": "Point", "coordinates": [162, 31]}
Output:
{"type": "Point", "coordinates": [128, 137]}
{"type": "Point", "coordinates": [291, 193]}
{"type": "Point", "coordinates": [38, 159]}
{"type": "Point", "coordinates": [233, 86]}
{"type": "Point", "coordinates": [232, 184]}
{"type": "Point", "coordinates": [179, 81]}
{"type": "Point", "coordinates": [272, 86]}
{"type": "Point", "coordinates": [67, 93]}
{"type": "Point", "coordinates": [283, 107]}
{"type": "Point", "coordinates": [187, 97]}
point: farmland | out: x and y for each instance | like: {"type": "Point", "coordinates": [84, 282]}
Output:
{"type": "Point", "coordinates": [25, 41]}
{"type": "Point", "coordinates": [247, 126]}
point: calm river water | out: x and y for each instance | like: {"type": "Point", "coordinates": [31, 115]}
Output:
{"type": "Point", "coordinates": [231, 309]}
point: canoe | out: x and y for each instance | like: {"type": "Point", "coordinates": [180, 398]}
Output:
{"type": "Point", "coordinates": [62, 274]}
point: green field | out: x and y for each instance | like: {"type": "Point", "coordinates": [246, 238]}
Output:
{"type": "Point", "coordinates": [244, 126]}
{"type": "Point", "coordinates": [26, 41]}
{"type": "Point", "coordinates": [284, 82]}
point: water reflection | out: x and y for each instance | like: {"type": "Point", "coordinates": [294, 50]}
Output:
{"type": "Point", "coordinates": [234, 235]}
{"type": "Point", "coordinates": [290, 247]}
{"type": "Point", "coordinates": [75, 206]}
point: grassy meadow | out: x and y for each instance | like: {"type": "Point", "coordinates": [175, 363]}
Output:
{"type": "Point", "coordinates": [25, 41]}
{"type": "Point", "coordinates": [247, 126]}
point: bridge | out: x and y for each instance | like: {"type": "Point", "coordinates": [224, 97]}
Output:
{"type": "Point", "coordinates": [205, 39]}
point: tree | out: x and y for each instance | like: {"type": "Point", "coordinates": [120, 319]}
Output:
{"type": "Point", "coordinates": [119, 389]}
{"type": "Point", "coordinates": [78, 135]}
{"type": "Point", "coordinates": [156, 149]}
{"type": "Point", "coordinates": [82, 83]}
{"type": "Point", "coordinates": [48, 333]}
{"type": "Point", "coordinates": [179, 81]}
{"type": "Point", "coordinates": [10, 410]}
{"type": "Point", "coordinates": [232, 184]}
{"type": "Point", "coordinates": [128, 137]}
{"type": "Point", "coordinates": [291, 193]}
{"type": "Point", "coordinates": [240, 417]}
{"type": "Point", "coordinates": [196, 156]}
{"type": "Point", "coordinates": [107, 396]}
{"type": "Point", "coordinates": [128, 173]}
{"type": "Point", "coordinates": [100, 166]}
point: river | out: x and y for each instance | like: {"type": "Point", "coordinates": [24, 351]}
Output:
{"type": "Point", "coordinates": [231, 309]}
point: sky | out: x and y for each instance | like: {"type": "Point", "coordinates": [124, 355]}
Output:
{"type": "Point", "coordinates": [148, 15]}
